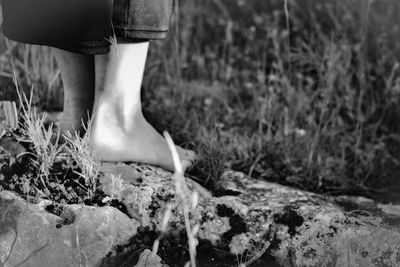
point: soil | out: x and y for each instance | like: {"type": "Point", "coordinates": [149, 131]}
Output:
{"type": "Point", "coordinates": [62, 186]}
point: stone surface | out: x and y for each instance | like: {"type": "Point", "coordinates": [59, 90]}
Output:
{"type": "Point", "coordinates": [10, 149]}
{"type": "Point", "coordinates": [267, 222]}
{"type": "Point", "coordinates": [147, 258]}
{"type": "Point", "coordinates": [387, 213]}
{"type": "Point", "coordinates": [83, 236]}
{"type": "Point", "coordinates": [253, 222]}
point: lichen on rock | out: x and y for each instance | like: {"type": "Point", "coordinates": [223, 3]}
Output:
{"type": "Point", "coordinates": [291, 226]}
{"type": "Point", "coordinates": [260, 224]}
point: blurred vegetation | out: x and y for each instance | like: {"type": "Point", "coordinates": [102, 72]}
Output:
{"type": "Point", "coordinates": [304, 93]}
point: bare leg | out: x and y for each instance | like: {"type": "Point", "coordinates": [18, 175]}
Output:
{"type": "Point", "coordinates": [77, 72]}
{"type": "Point", "coordinates": [120, 132]}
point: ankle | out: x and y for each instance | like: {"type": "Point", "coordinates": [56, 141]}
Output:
{"type": "Point", "coordinates": [120, 105]}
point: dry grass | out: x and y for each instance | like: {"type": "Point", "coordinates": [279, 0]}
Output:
{"type": "Point", "coordinates": [181, 192]}
{"type": "Point", "coordinates": [186, 203]}
{"type": "Point", "coordinates": [78, 147]}
{"type": "Point", "coordinates": [33, 131]}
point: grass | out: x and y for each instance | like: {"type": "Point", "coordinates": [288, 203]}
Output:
{"type": "Point", "coordinates": [78, 147]}
{"type": "Point", "coordinates": [46, 149]}
{"type": "Point", "coordinates": [61, 172]}
{"type": "Point", "coordinates": [186, 204]}
{"type": "Point", "coordinates": [302, 94]}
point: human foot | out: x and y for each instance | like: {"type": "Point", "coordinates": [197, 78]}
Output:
{"type": "Point", "coordinates": [139, 142]}
{"type": "Point", "coordinates": [119, 130]}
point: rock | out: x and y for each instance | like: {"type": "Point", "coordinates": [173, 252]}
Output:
{"type": "Point", "coordinates": [387, 213]}
{"type": "Point", "coordinates": [257, 222]}
{"type": "Point", "coordinates": [142, 188]}
{"type": "Point", "coordinates": [390, 209]}
{"type": "Point", "coordinates": [31, 236]}
{"type": "Point", "coordinates": [254, 222]}
{"type": "Point", "coordinates": [10, 149]}
{"type": "Point", "coordinates": [148, 259]}
{"type": "Point", "coordinates": [8, 114]}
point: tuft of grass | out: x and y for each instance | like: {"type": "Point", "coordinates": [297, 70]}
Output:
{"type": "Point", "coordinates": [78, 147]}
{"type": "Point", "coordinates": [46, 148]}
{"type": "Point", "coordinates": [212, 158]}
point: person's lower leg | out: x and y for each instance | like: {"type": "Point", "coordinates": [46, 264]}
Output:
{"type": "Point", "coordinates": [77, 73]}
{"type": "Point", "coordinates": [120, 132]}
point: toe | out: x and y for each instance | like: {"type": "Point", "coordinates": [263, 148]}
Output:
{"type": "Point", "coordinates": [185, 154]}
{"type": "Point", "coordinates": [190, 155]}
{"type": "Point", "coordinates": [187, 157]}
{"type": "Point", "coordinates": [186, 164]}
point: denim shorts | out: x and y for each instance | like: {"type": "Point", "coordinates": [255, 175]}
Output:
{"type": "Point", "coordinates": [85, 26]}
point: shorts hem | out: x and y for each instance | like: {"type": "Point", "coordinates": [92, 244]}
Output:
{"type": "Point", "coordinates": [89, 48]}
{"type": "Point", "coordinates": [83, 48]}
{"type": "Point", "coordinates": [139, 34]}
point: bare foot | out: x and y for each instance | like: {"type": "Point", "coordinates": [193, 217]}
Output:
{"type": "Point", "coordinates": [136, 141]}
{"type": "Point", "coordinates": [119, 131]}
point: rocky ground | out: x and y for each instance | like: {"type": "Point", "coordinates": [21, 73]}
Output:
{"type": "Point", "coordinates": [250, 222]}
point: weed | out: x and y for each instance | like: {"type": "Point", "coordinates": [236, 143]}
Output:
{"type": "Point", "coordinates": [78, 147]}
{"type": "Point", "coordinates": [46, 149]}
